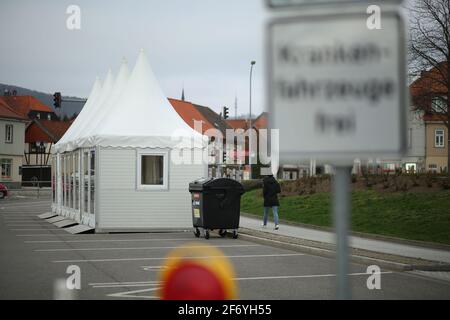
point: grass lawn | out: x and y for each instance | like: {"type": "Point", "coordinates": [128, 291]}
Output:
{"type": "Point", "coordinates": [408, 215]}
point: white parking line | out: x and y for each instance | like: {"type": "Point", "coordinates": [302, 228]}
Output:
{"type": "Point", "coordinates": [308, 276]}
{"type": "Point", "coordinates": [119, 284]}
{"type": "Point", "coordinates": [150, 283]}
{"type": "Point", "coordinates": [25, 204]}
{"type": "Point", "coordinates": [35, 222]}
{"type": "Point", "coordinates": [143, 248]}
{"type": "Point", "coordinates": [46, 234]}
{"type": "Point", "coordinates": [19, 216]}
{"type": "Point", "coordinates": [108, 240]}
{"type": "Point", "coordinates": [164, 258]}
{"type": "Point", "coordinates": [41, 229]}
{"type": "Point", "coordinates": [21, 221]}
{"type": "Point", "coordinates": [131, 294]}
{"type": "Point", "coordinates": [30, 225]}
{"type": "Point", "coordinates": [11, 219]}
{"type": "Point", "coordinates": [153, 268]}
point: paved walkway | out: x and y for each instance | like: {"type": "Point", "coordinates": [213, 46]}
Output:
{"type": "Point", "coordinates": [355, 242]}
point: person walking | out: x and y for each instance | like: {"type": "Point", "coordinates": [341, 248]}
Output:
{"type": "Point", "coordinates": [271, 189]}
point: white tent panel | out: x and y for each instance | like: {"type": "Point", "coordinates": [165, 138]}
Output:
{"type": "Point", "coordinates": [93, 96]}
{"type": "Point", "coordinates": [105, 108]}
{"type": "Point", "coordinates": [143, 117]}
{"type": "Point", "coordinates": [93, 111]}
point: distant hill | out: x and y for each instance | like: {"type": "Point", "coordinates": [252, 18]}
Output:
{"type": "Point", "coordinates": [68, 108]}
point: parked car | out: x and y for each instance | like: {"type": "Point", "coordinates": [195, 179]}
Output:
{"type": "Point", "coordinates": [3, 191]}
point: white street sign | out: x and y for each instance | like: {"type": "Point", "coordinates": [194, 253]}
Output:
{"type": "Point", "coordinates": [337, 89]}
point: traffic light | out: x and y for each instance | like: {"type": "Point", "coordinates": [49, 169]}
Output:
{"type": "Point", "coordinates": [57, 100]}
{"type": "Point", "coordinates": [225, 112]}
{"type": "Point", "coordinates": [224, 157]}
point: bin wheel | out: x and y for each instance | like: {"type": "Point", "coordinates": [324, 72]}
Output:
{"type": "Point", "coordinates": [222, 232]}
{"type": "Point", "coordinates": [207, 234]}
{"type": "Point", "coordinates": [197, 232]}
{"type": "Point", "coordinates": [235, 234]}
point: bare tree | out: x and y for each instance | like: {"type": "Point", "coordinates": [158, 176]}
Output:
{"type": "Point", "coordinates": [429, 55]}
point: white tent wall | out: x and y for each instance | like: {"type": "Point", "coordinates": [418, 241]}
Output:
{"type": "Point", "coordinates": [122, 207]}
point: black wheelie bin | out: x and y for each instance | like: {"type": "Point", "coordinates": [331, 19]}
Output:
{"type": "Point", "coordinates": [216, 204]}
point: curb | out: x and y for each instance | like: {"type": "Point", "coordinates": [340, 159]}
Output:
{"type": "Point", "coordinates": [424, 244]}
{"type": "Point", "coordinates": [391, 262]}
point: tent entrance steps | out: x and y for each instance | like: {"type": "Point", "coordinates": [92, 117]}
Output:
{"type": "Point", "coordinates": [80, 228]}
{"type": "Point", "coordinates": [56, 219]}
{"type": "Point", "coordinates": [65, 223]}
{"type": "Point", "coordinates": [47, 215]}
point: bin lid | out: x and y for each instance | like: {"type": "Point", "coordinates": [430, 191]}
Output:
{"type": "Point", "coordinates": [217, 183]}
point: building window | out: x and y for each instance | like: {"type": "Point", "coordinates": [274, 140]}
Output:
{"type": "Point", "coordinates": [439, 105]}
{"type": "Point", "coordinates": [6, 168]}
{"type": "Point", "coordinates": [389, 167]}
{"type": "Point", "coordinates": [152, 170]}
{"type": "Point", "coordinates": [439, 138]}
{"type": "Point", "coordinates": [37, 147]}
{"type": "Point", "coordinates": [9, 133]}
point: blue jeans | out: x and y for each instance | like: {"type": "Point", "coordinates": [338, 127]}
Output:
{"type": "Point", "coordinates": [275, 214]}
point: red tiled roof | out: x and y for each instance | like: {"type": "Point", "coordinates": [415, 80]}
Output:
{"type": "Point", "coordinates": [213, 118]}
{"type": "Point", "coordinates": [261, 121]}
{"type": "Point", "coordinates": [24, 104]}
{"type": "Point", "coordinates": [9, 113]}
{"type": "Point", "coordinates": [238, 123]}
{"type": "Point", "coordinates": [429, 85]}
{"type": "Point", "coordinates": [188, 112]}
{"type": "Point", "coordinates": [46, 130]}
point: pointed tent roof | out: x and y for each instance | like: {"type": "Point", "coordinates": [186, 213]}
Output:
{"type": "Point", "coordinates": [104, 108]}
{"type": "Point", "coordinates": [90, 113]}
{"type": "Point", "coordinates": [95, 109]}
{"type": "Point", "coordinates": [143, 117]}
{"type": "Point", "coordinates": [68, 136]}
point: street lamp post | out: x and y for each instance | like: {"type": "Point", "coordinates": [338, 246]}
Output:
{"type": "Point", "coordinates": [250, 121]}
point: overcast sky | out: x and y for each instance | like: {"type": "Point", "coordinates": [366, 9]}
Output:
{"type": "Point", "coordinates": [205, 44]}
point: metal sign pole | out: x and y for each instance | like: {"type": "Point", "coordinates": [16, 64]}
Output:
{"type": "Point", "coordinates": [341, 214]}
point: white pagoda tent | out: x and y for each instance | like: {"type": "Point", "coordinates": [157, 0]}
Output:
{"type": "Point", "coordinates": [126, 161]}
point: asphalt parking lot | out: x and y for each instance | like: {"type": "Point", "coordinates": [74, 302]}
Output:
{"type": "Point", "coordinates": [34, 254]}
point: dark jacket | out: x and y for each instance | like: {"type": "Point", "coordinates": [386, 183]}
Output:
{"type": "Point", "coordinates": [271, 188]}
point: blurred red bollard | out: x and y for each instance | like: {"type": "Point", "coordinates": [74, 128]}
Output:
{"type": "Point", "coordinates": [197, 272]}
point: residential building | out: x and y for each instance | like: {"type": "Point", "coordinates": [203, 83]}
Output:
{"type": "Point", "coordinates": [197, 115]}
{"type": "Point", "coordinates": [29, 107]}
{"type": "Point", "coordinates": [12, 139]}
{"type": "Point", "coordinates": [436, 143]}
{"type": "Point", "coordinates": [429, 94]}
{"type": "Point", "coordinates": [413, 160]}
{"type": "Point", "coordinates": [286, 171]}
{"type": "Point", "coordinates": [40, 136]}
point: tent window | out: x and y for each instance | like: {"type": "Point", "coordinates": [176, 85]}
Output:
{"type": "Point", "coordinates": [152, 171]}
